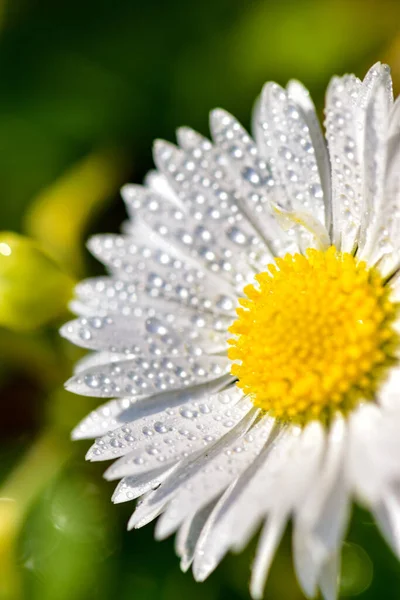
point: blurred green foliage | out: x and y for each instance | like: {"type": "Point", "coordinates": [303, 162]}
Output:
{"type": "Point", "coordinates": [34, 290]}
{"type": "Point", "coordinates": [85, 87]}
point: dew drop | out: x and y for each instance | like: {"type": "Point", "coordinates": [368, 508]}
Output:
{"type": "Point", "coordinates": [154, 325]}
{"type": "Point", "coordinates": [116, 443]}
{"type": "Point", "coordinates": [225, 303]}
{"type": "Point", "coordinates": [237, 236]}
{"type": "Point", "coordinates": [251, 175]}
{"type": "Point", "coordinates": [84, 334]}
{"type": "Point", "coordinates": [186, 413]}
{"type": "Point", "coordinates": [160, 427]}
{"type": "Point", "coordinates": [92, 381]}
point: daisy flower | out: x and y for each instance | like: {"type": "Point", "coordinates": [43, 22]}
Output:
{"type": "Point", "coordinates": [247, 333]}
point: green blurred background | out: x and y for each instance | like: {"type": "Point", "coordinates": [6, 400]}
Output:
{"type": "Point", "coordinates": [85, 87]}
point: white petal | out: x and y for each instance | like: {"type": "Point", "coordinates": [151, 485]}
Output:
{"type": "Point", "coordinates": [387, 515]}
{"type": "Point", "coordinates": [174, 430]}
{"type": "Point", "coordinates": [390, 208]}
{"type": "Point", "coordinates": [303, 467]}
{"type": "Point", "coordinates": [307, 559]}
{"type": "Point", "coordinates": [161, 334]}
{"type": "Point", "coordinates": [102, 419]}
{"type": "Point", "coordinates": [107, 297]}
{"type": "Point", "coordinates": [199, 240]}
{"type": "Point", "coordinates": [158, 183]}
{"type": "Point", "coordinates": [156, 501]}
{"type": "Point", "coordinates": [188, 535]}
{"type": "Point", "coordinates": [296, 478]}
{"type": "Point", "coordinates": [118, 412]}
{"type": "Point", "coordinates": [329, 577]}
{"type": "Point", "coordinates": [374, 451]}
{"type": "Point", "coordinates": [330, 470]}
{"type": "Point", "coordinates": [378, 72]}
{"type": "Point", "coordinates": [270, 537]}
{"type": "Point", "coordinates": [343, 122]}
{"type": "Point", "coordinates": [255, 177]}
{"type": "Point", "coordinates": [305, 224]}
{"type": "Point", "coordinates": [215, 477]}
{"type": "Point", "coordinates": [164, 448]}
{"type": "Point", "coordinates": [191, 466]}
{"type": "Point", "coordinates": [322, 517]}
{"type": "Point", "coordinates": [130, 488]}
{"type": "Point", "coordinates": [93, 359]}
{"type": "Point", "coordinates": [151, 514]}
{"type": "Point", "coordinates": [346, 106]}
{"type": "Point", "coordinates": [287, 134]}
{"type": "Point", "coordinates": [378, 210]}
{"type": "Point", "coordinates": [301, 96]}
{"type": "Point", "coordinates": [242, 507]}
{"type": "Point", "coordinates": [389, 392]}
{"type": "Point", "coordinates": [141, 377]}
{"type": "Point", "coordinates": [147, 262]}
{"type": "Point", "coordinates": [188, 139]}
{"type": "Point", "coordinates": [209, 196]}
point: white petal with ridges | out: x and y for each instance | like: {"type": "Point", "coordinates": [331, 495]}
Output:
{"type": "Point", "coordinates": [186, 234]}
{"type": "Point", "coordinates": [196, 463]}
{"type": "Point", "coordinates": [374, 238]}
{"type": "Point", "coordinates": [209, 197]}
{"type": "Point", "coordinates": [161, 334]}
{"type": "Point", "coordinates": [121, 411]}
{"type": "Point", "coordinates": [186, 441]}
{"type": "Point", "coordinates": [102, 419]}
{"type": "Point", "coordinates": [156, 501]}
{"type": "Point", "coordinates": [215, 477]}
{"type": "Point", "coordinates": [175, 430]}
{"type": "Point", "coordinates": [295, 160]}
{"type": "Point", "coordinates": [242, 508]}
{"type": "Point", "coordinates": [189, 533]}
{"type": "Point", "coordinates": [145, 376]}
{"type": "Point", "coordinates": [329, 577]}
{"type": "Point", "coordinates": [252, 175]}
{"type": "Point", "coordinates": [130, 488]}
{"type": "Point", "coordinates": [295, 480]}
{"type": "Point", "coordinates": [387, 515]}
{"type": "Point", "coordinates": [149, 265]}
{"type": "Point", "coordinates": [269, 540]}
{"type": "Point", "coordinates": [301, 96]}
{"type": "Point", "coordinates": [323, 515]}
{"type": "Point", "coordinates": [373, 458]}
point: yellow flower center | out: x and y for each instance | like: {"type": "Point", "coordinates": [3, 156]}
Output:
{"type": "Point", "coordinates": [314, 336]}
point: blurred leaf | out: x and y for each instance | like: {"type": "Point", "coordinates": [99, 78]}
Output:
{"type": "Point", "coordinates": [64, 410]}
{"type": "Point", "coordinates": [3, 7]}
{"type": "Point", "coordinates": [357, 570]}
{"type": "Point", "coordinates": [309, 40]}
{"type": "Point", "coordinates": [42, 461]}
{"type": "Point", "coordinates": [9, 577]}
{"type": "Point", "coordinates": [391, 56]}
{"type": "Point", "coordinates": [24, 483]}
{"type": "Point", "coordinates": [33, 289]}
{"type": "Point", "coordinates": [59, 215]}
{"type": "Point", "coordinates": [66, 540]}
{"type": "Point", "coordinates": [35, 355]}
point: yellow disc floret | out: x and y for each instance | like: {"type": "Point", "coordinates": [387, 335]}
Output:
{"type": "Point", "coordinates": [314, 335]}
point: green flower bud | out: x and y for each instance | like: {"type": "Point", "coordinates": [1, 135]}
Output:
{"type": "Point", "coordinates": [33, 289]}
